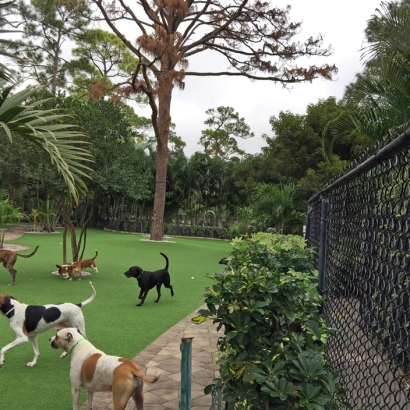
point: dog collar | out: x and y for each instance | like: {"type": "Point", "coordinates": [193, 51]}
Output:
{"type": "Point", "coordinates": [75, 345]}
{"type": "Point", "coordinates": [9, 312]}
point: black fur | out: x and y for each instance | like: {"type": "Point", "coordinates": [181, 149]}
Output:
{"type": "Point", "coordinates": [147, 280]}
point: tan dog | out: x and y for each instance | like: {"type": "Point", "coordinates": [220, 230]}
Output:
{"type": "Point", "coordinates": [69, 270]}
{"type": "Point", "coordinates": [95, 371]}
{"type": "Point", "coordinates": [9, 258]}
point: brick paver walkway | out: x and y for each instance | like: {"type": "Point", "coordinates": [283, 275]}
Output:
{"type": "Point", "coordinates": [164, 354]}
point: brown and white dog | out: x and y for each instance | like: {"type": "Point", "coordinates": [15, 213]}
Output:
{"type": "Point", "coordinates": [93, 370]}
{"type": "Point", "coordinates": [69, 270]}
{"type": "Point", "coordinates": [9, 258]}
{"type": "Point", "coordinates": [27, 321]}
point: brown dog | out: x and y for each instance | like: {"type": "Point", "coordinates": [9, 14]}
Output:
{"type": "Point", "coordinates": [9, 258]}
{"type": "Point", "coordinates": [71, 269]}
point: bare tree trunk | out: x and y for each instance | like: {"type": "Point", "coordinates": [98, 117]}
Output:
{"type": "Point", "coordinates": [164, 120]}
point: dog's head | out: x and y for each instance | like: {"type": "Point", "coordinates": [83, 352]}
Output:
{"type": "Point", "coordinates": [5, 303]}
{"type": "Point", "coordinates": [133, 272]}
{"type": "Point", "coordinates": [65, 338]}
{"type": "Point", "coordinates": [63, 269]}
{"type": "Point", "coordinates": [223, 261]}
{"type": "Point", "coordinates": [68, 270]}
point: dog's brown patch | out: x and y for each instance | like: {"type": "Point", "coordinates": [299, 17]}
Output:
{"type": "Point", "coordinates": [4, 301]}
{"type": "Point", "coordinates": [25, 330]}
{"type": "Point", "coordinates": [3, 297]}
{"type": "Point", "coordinates": [129, 367]}
{"type": "Point", "coordinates": [88, 368]}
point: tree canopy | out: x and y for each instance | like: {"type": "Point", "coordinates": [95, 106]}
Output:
{"type": "Point", "coordinates": [224, 125]}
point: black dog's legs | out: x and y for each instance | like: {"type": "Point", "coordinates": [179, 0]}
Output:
{"type": "Point", "coordinates": [144, 295]}
{"type": "Point", "coordinates": [140, 295]}
{"type": "Point", "coordinates": [167, 284]}
{"type": "Point", "coordinates": [159, 292]}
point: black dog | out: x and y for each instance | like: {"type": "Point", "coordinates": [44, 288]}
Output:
{"type": "Point", "coordinates": [147, 280]}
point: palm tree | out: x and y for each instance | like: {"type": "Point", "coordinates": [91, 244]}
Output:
{"type": "Point", "coordinates": [276, 206]}
{"type": "Point", "coordinates": [380, 98]}
{"type": "Point", "coordinates": [44, 128]}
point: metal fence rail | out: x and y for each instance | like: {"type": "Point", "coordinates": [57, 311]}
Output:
{"type": "Point", "coordinates": [367, 275]}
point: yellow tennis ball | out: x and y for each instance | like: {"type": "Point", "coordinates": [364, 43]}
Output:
{"type": "Point", "coordinates": [192, 277]}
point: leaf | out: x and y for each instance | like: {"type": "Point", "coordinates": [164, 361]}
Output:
{"type": "Point", "coordinates": [313, 326]}
{"type": "Point", "coordinates": [200, 319]}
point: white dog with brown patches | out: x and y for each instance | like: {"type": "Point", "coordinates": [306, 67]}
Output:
{"type": "Point", "coordinates": [95, 371]}
{"type": "Point", "coordinates": [27, 321]}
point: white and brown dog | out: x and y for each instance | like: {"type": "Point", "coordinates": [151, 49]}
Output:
{"type": "Point", "coordinates": [27, 321]}
{"type": "Point", "coordinates": [95, 371]}
{"type": "Point", "coordinates": [69, 270]}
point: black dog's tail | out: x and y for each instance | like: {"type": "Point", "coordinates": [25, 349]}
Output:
{"type": "Point", "coordinates": [28, 256]}
{"type": "Point", "coordinates": [165, 256]}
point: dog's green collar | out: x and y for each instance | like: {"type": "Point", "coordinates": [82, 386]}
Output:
{"type": "Point", "coordinates": [75, 345]}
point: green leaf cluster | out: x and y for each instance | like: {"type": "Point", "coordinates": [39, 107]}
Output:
{"type": "Point", "coordinates": [272, 351]}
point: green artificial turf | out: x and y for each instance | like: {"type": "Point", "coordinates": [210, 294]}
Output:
{"type": "Point", "coordinates": [113, 323]}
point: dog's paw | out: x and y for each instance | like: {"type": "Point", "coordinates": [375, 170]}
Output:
{"type": "Point", "coordinates": [31, 364]}
{"type": "Point", "coordinates": [63, 355]}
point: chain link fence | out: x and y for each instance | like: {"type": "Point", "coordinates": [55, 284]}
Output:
{"type": "Point", "coordinates": [360, 222]}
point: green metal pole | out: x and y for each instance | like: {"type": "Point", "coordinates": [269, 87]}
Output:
{"type": "Point", "coordinates": [186, 373]}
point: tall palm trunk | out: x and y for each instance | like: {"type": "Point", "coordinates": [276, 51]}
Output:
{"type": "Point", "coordinates": [164, 120]}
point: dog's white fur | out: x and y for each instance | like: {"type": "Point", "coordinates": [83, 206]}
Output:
{"type": "Point", "coordinates": [20, 318]}
{"type": "Point", "coordinates": [95, 371]}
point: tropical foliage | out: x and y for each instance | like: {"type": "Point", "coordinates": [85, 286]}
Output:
{"type": "Point", "coordinates": [44, 128]}
{"type": "Point", "coordinates": [379, 100]}
{"type": "Point", "coordinates": [271, 354]}
{"type": "Point", "coordinates": [8, 214]}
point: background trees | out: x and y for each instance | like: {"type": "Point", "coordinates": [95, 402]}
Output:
{"type": "Point", "coordinates": [48, 25]}
{"type": "Point", "coordinates": [102, 64]}
{"type": "Point", "coordinates": [255, 38]}
{"type": "Point", "coordinates": [101, 71]}
{"type": "Point", "coordinates": [224, 125]}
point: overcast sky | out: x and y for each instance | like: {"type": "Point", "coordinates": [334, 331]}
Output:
{"type": "Point", "coordinates": [342, 25]}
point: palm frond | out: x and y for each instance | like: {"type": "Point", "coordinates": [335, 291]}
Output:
{"type": "Point", "coordinates": [47, 130]}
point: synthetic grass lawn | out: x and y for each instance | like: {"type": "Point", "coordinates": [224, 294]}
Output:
{"type": "Point", "coordinates": [113, 323]}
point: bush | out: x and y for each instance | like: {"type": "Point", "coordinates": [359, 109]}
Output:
{"type": "Point", "coordinates": [271, 355]}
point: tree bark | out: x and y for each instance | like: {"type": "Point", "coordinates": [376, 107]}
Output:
{"type": "Point", "coordinates": [164, 121]}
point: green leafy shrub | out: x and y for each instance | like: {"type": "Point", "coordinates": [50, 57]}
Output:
{"type": "Point", "coordinates": [271, 354]}
{"type": "Point", "coordinates": [236, 229]}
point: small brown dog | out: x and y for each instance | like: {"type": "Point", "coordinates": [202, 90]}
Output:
{"type": "Point", "coordinates": [69, 270]}
{"type": "Point", "coordinates": [9, 258]}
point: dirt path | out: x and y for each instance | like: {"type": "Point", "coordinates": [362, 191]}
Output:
{"type": "Point", "coordinates": [14, 233]}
